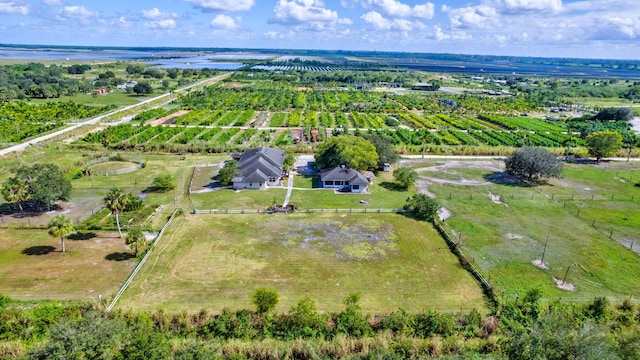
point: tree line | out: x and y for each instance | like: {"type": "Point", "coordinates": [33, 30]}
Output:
{"type": "Point", "coordinates": [525, 328]}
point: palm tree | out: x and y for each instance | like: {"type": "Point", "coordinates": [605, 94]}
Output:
{"type": "Point", "coordinates": [60, 225]}
{"type": "Point", "coordinates": [116, 201]}
{"type": "Point", "coordinates": [135, 239]}
{"type": "Point", "coordinates": [16, 190]}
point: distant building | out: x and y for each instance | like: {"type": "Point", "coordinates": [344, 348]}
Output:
{"type": "Point", "coordinates": [423, 86]}
{"type": "Point", "coordinates": [259, 168]}
{"type": "Point", "coordinates": [128, 84]}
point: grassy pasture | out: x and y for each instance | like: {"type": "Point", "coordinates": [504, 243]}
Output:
{"type": "Point", "coordinates": [32, 266]}
{"type": "Point", "coordinates": [218, 261]}
{"type": "Point", "coordinates": [504, 239]}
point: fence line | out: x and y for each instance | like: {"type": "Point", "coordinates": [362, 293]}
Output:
{"type": "Point", "coordinates": [489, 290]}
{"type": "Point", "coordinates": [302, 211]}
{"type": "Point", "coordinates": [141, 263]}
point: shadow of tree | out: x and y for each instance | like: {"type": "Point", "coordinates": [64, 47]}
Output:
{"type": "Point", "coordinates": [504, 178]}
{"type": "Point", "coordinates": [82, 236]}
{"type": "Point", "coordinates": [38, 250]}
{"type": "Point", "coordinates": [391, 186]}
{"type": "Point", "coordinates": [30, 209]}
{"type": "Point", "coordinates": [120, 256]}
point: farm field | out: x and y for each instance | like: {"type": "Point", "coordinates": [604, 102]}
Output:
{"type": "Point", "coordinates": [504, 227]}
{"type": "Point", "coordinates": [217, 261]}
{"type": "Point", "coordinates": [33, 268]}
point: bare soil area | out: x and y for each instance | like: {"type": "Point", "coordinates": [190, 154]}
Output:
{"type": "Point", "coordinates": [169, 119]}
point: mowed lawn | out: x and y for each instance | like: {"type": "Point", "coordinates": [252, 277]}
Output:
{"type": "Point", "coordinates": [217, 262]}
{"type": "Point", "coordinates": [32, 266]}
{"type": "Point", "coordinates": [589, 238]}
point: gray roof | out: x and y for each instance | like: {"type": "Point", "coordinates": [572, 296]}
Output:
{"type": "Point", "coordinates": [259, 164]}
{"type": "Point", "coordinates": [353, 177]}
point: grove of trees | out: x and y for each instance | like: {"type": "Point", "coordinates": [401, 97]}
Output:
{"type": "Point", "coordinates": [351, 151]}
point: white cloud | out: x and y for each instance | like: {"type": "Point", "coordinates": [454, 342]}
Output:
{"type": "Point", "coordinates": [397, 9]}
{"type": "Point", "coordinates": [155, 14]}
{"type": "Point", "coordinates": [12, 7]}
{"type": "Point", "coordinates": [52, 2]}
{"type": "Point", "coordinates": [77, 13]}
{"type": "Point", "coordinates": [479, 17]}
{"type": "Point", "coordinates": [121, 22]}
{"type": "Point", "coordinates": [225, 22]}
{"type": "Point", "coordinates": [530, 5]}
{"type": "Point", "coordinates": [617, 28]}
{"type": "Point", "coordinates": [379, 22]}
{"type": "Point", "coordinates": [161, 24]}
{"type": "Point", "coordinates": [302, 11]}
{"type": "Point", "coordinates": [223, 5]}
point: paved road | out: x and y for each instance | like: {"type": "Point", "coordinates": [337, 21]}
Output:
{"type": "Point", "coordinates": [98, 119]}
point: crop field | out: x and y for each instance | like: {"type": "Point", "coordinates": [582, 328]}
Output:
{"type": "Point", "coordinates": [588, 220]}
{"type": "Point", "coordinates": [32, 267]}
{"type": "Point", "coordinates": [217, 261]}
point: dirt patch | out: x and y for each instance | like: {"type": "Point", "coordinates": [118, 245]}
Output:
{"type": "Point", "coordinates": [444, 214]}
{"type": "Point", "coordinates": [304, 88]}
{"type": "Point", "coordinates": [456, 164]}
{"type": "Point", "coordinates": [348, 242]}
{"type": "Point", "coordinates": [169, 119]}
{"type": "Point", "coordinates": [233, 85]}
{"type": "Point", "coordinates": [564, 285]}
{"type": "Point", "coordinates": [539, 264]}
{"type": "Point", "coordinates": [635, 124]}
{"type": "Point", "coordinates": [421, 187]}
{"type": "Point", "coordinates": [497, 199]}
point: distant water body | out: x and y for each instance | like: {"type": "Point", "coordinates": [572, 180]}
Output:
{"type": "Point", "coordinates": [161, 60]}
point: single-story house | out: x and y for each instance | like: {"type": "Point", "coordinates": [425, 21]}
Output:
{"type": "Point", "coordinates": [344, 179]}
{"type": "Point", "coordinates": [259, 168]}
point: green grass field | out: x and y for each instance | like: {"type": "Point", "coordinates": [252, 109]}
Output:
{"type": "Point", "coordinates": [32, 267]}
{"type": "Point", "coordinates": [504, 239]}
{"type": "Point", "coordinates": [217, 261]}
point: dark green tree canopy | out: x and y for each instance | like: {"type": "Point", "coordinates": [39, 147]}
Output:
{"type": "Point", "coordinates": [614, 114]}
{"type": "Point", "coordinates": [422, 207]}
{"type": "Point", "coordinates": [228, 171]}
{"type": "Point", "coordinates": [533, 163]}
{"type": "Point", "coordinates": [45, 183]}
{"type": "Point", "coordinates": [384, 148]}
{"type": "Point", "coordinates": [142, 88]}
{"type": "Point", "coordinates": [352, 151]}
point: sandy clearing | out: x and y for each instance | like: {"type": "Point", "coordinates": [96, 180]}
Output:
{"type": "Point", "coordinates": [635, 124]}
{"type": "Point", "coordinates": [564, 285]}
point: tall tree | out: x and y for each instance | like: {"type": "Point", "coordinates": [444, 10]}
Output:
{"type": "Point", "coordinates": [16, 190]}
{"type": "Point", "coordinates": [116, 201]}
{"type": "Point", "coordinates": [46, 183]}
{"type": "Point", "coordinates": [533, 163]}
{"type": "Point", "coordinates": [603, 143]}
{"type": "Point", "coordinates": [61, 226]}
{"type": "Point", "coordinates": [135, 239]}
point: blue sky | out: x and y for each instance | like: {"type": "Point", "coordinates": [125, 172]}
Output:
{"type": "Point", "coordinates": [550, 28]}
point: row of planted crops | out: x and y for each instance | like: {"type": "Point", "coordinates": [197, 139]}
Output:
{"type": "Point", "coordinates": [127, 136]}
